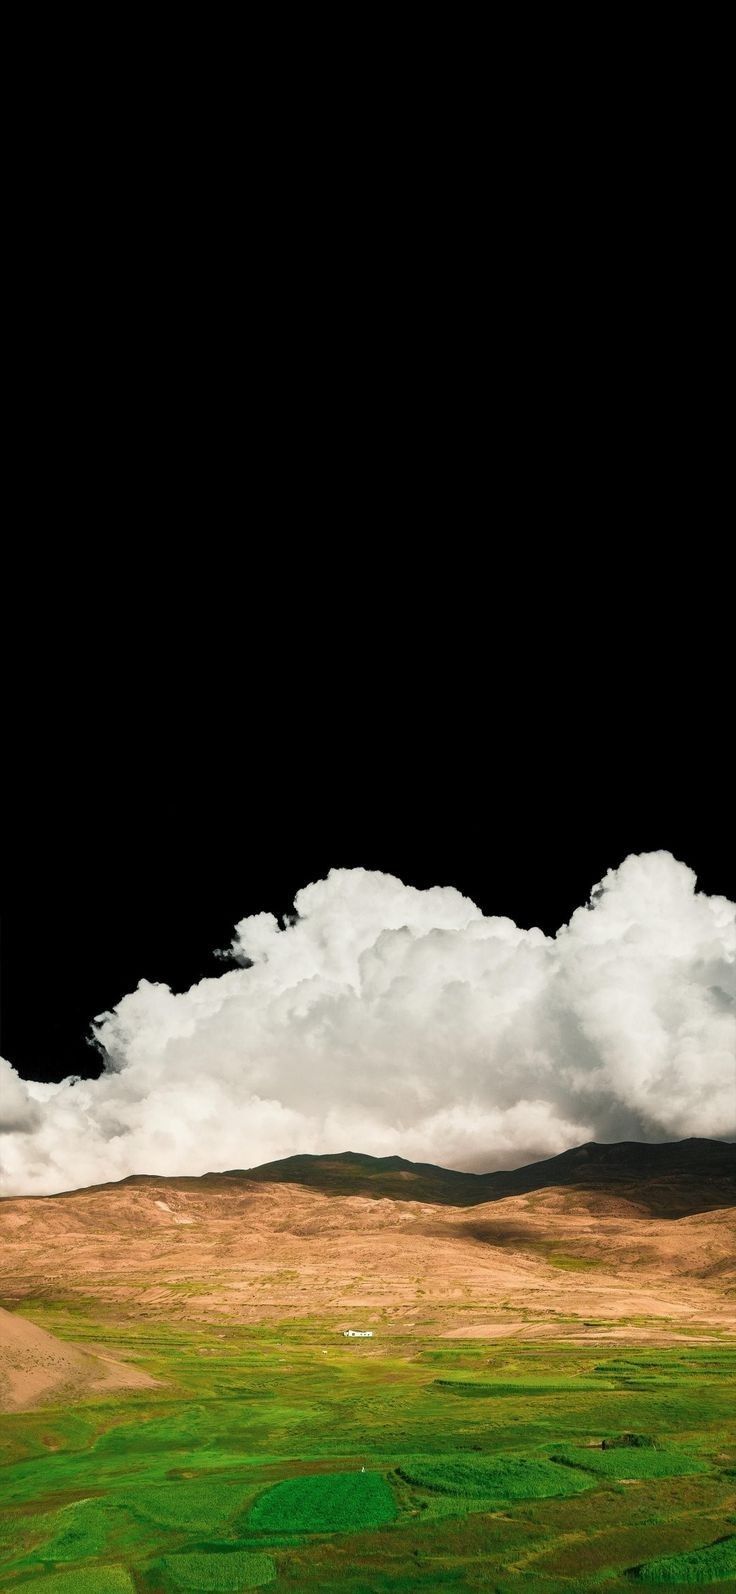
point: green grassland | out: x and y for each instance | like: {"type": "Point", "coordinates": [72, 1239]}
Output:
{"type": "Point", "coordinates": [324, 1503]}
{"type": "Point", "coordinates": [624, 1463]}
{"type": "Point", "coordinates": [238, 1569]}
{"type": "Point", "coordinates": [716, 1562]}
{"type": "Point", "coordinates": [281, 1455]}
{"type": "Point", "coordinates": [498, 1481]}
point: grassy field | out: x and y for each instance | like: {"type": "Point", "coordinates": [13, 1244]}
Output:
{"type": "Point", "coordinates": [483, 1467]}
{"type": "Point", "coordinates": [497, 1481]}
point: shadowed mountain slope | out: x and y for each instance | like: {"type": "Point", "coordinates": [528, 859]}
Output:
{"type": "Point", "coordinates": [672, 1179]}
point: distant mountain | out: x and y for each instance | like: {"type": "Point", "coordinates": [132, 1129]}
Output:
{"type": "Point", "coordinates": [671, 1179]}
{"type": "Point", "coordinates": [353, 1173]}
{"type": "Point", "coordinates": [585, 1239]}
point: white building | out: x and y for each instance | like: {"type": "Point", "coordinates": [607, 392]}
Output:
{"type": "Point", "coordinates": [357, 1333]}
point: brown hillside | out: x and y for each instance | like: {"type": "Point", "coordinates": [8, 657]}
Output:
{"type": "Point", "coordinates": [578, 1258]}
{"type": "Point", "coordinates": [36, 1367]}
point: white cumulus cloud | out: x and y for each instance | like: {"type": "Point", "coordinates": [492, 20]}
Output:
{"type": "Point", "coordinates": [385, 1019]}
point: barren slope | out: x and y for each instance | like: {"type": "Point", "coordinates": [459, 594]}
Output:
{"type": "Point", "coordinates": [243, 1249]}
{"type": "Point", "coordinates": [36, 1367]}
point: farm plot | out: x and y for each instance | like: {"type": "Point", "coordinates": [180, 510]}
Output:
{"type": "Point", "coordinates": [499, 1480]}
{"type": "Point", "coordinates": [325, 1503]}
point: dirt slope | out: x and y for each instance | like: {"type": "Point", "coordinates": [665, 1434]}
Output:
{"type": "Point", "coordinates": [233, 1249]}
{"type": "Point", "coordinates": [36, 1368]}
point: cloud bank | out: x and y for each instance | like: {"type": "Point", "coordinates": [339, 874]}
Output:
{"type": "Point", "coordinates": [389, 1020]}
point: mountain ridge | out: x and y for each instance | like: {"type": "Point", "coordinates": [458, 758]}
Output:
{"type": "Point", "coordinates": [702, 1172]}
{"type": "Point", "coordinates": [601, 1235]}
{"type": "Point", "coordinates": [672, 1177]}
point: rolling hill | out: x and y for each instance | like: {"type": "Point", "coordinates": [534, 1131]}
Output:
{"type": "Point", "coordinates": [598, 1237]}
{"type": "Point", "coordinates": [671, 1179]}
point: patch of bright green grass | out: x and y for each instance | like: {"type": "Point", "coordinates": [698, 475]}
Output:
{"type": "Point", "coordinates": [519, 1387]}
{"type": "Point", "coordinates": [630, 1462]}
{"type": "Point", "coordinates": [715, 1563]}
{"type": "Point", "coordinates": [79, 1532]}
{"type": "Point", "coordinates": [190, 1506]}
{"type": "Point", "coordinates": [92, 1580]}
{"type": "Point", "coordinates": [223, 1574]}
{"type": "Point", "coordinates": [325, 1502]}
{"type": "Point", "coordinates": [498, 1479]}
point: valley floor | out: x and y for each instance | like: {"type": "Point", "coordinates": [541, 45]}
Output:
{"type": "Point", "coordinates": [182, 1411]}
{"type": "Point", "coordinates": [242, 1465]}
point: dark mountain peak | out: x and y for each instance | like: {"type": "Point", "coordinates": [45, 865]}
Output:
{"type": "Point", "coordinates": [668, 1179]}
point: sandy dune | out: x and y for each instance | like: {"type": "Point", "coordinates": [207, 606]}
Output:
{"type": "Point", "coordinates": [36, 1368]}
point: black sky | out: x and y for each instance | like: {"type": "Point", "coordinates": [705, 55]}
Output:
{"type": "Point", "coordinates": [138, 838]}
{"type": "Point", "coordinates": [407, 555]}
{"type": "Point", "coordinates": [459, 615]}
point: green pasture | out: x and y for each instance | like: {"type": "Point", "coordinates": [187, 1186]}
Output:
{"type": "Point", "coordinates": [499, 1480]}
{"type": "Point", "coordinates": [630, 1464]}
{"type": "Point", "coordinates": [283, 1456]}
{"type": "Point", "coordinates": [714, 1563]}
{"type": "Point", "coordinates": [325, 1502]}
